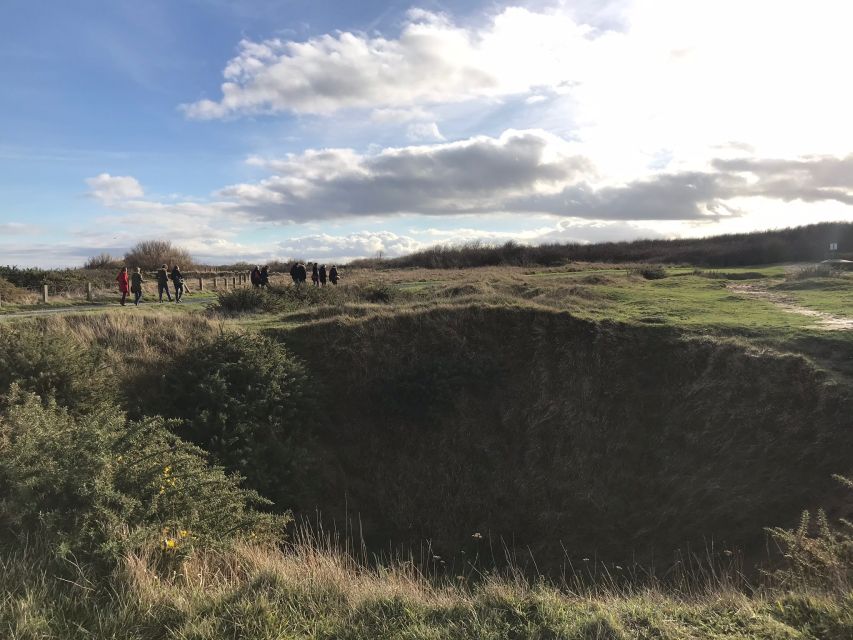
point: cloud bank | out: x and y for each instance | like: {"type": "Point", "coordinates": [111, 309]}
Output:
{"type": "Point", "coordinates": [432, 61]}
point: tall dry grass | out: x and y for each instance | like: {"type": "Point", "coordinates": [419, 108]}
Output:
{"type": "Point", "coordinates": [310, 589]}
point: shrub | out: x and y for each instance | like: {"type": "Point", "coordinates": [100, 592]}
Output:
{"type": "Point", "coordinates": [651, 272]}
{"type": "Point", "coordinates": [97, 485]}
{"type": "Point", "coordinates": [239, 398]}
{"type": "Point", "coordinates": [247, 300]}
{"type": "Point", "coordinates": [816, 554]}
{"type": "Point", "coordinates": [103, 261]}
{"type": "Point", "coordinates": [814, 271]}
{"type": "Point", "coordinates": [51, 365]}
{"type": "Point", "coordinates": [152, 254]}
{"type": "Point", "coordinates": [9, 292]}
{"type": "Point", "coordinates": [723, 275]}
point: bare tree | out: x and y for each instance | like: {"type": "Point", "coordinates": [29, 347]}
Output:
{"type": "Point", "coordinates": [151, 254]}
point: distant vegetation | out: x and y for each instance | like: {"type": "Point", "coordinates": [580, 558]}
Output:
{"type": "Point", "coordinates": [103, 261]}
{"type": "Point", "coordinates": [799, 244]}
{"type": "Point", "coordinates": [152, 254]}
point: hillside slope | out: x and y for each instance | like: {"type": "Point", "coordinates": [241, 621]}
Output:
{"type": "Point", "coordinates": [545, 431]}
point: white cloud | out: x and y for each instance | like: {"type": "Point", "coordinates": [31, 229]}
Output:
{"type": "Point", "coordinates": [112, 189]}
{"type": "Point", "coordinates": [18, 229]}
{"type": "Point", "coordinates": [355, 245]}
{"type": "Point", "coordinates": [432, 61]}
{"type": "Point", "coordinates": [423, 131]}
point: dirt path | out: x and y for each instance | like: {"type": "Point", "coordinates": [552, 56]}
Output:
{"type": "Point", "coordinates": [84, 308]}
{"type": "Point", "coordinates": [824, 320]}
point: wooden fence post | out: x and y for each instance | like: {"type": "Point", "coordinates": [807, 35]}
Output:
{"type": "Point", "coordinates": [233, 281]}
{"type": "Point", "coordinates": [200, 284]}
{"type": "Point", "coordinates": [225, 283]}
{"type": "Point", "coordinates": [89, 291]}
{"type": "Point", "coordinates": [214, 282]}
{"type": "Point", "coordinates": [44, 293]}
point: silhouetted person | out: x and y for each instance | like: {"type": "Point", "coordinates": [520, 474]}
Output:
{"type": "Point", "coordinates": [255, 277]}
{"type": "Point", "coordinates": [178, 281]}
{"type": "Point", "coordinates": [123, 284]}
{"type": "Point", "coordinates": [333, 275]}
{"type": "Point", "coordinates": [315, 275]}
{"type": "Point", "coordinates": [322, 275]}
{"type": "Point", "coordinates": [136, 285]}
{"type": "Point", "coordinates": [294, 273]}
{"type": "Point", "coordinates": [163, 282]}
{"type": "Point", "coordinates": [301, 274]}
{"type": "Point", "coordinates": [265, 276]}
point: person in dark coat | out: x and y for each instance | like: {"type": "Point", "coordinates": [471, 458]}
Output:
{"type": "Point", "coordinates": [301, 274]}
{"type": "Point", "coordinates": [265, 276]}
{"type": "Point", "coordinates": [255, 277]}
{"type": "Point", "coordinates": [136, 285]}
{"type": "Point", "coordinates": [178, 281]}
{"type": "Point", "coordinates": [294, 273]}
{"type": "Point", "coordinates": [123, 284]}
{"type": "Point", "coordinates": [333, 275]}
{"type": "Point", "coordinates": [322, 275]}
{"type": "Point", "coordinates": [315, 275]}
{"type": "Point", "coordinates": [163, 282]}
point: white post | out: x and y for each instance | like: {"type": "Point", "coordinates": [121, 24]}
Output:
{"type": "Point", "coordinates": [89, 291]}
{"type": "Point", "coordinates": [44, 294]}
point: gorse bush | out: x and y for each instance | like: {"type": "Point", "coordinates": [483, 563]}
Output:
{"type": "Point", "coordinates": [247, 300]}
{"type": "Point", "coordinates": [97, 485]}
{"type": "Point", "coordinates": [240, 398]}
{"type": "Point", "coordinates": [51, 365]}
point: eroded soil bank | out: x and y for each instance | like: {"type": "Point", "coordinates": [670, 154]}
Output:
{"type": "Point", "coordinates": [564, 438]}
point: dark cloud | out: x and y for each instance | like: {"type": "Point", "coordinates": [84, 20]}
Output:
{"type": "Point", "coordinates": [681, 196]}
{"type": "Point", "coordinates": [810, 179]}
{"type": "Point", "coordinates": [474, 176]}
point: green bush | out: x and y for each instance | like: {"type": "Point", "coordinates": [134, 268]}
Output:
{"type": "Point", "coordinates": [239, 397]}
{"type": "Point", "coordinates": [816, 554]}
{"type": "Point", "coordinates": [51, 365]}
{"type": "Point", "coordinates": [651, 272]}
{"type": "Point", "coordinates": [247, 300]}
{"type": "Point", "coordinates": [97, 485]}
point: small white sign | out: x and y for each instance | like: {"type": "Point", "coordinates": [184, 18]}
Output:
{"type": "Point", "coordinates": [833, 246]}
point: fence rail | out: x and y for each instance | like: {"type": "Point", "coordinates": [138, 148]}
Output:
{"type": "Point", "coordinates": [215, 281]}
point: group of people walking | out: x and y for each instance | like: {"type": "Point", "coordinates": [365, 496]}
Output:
{"type": "Point", "coordinates": [319, 275]}
{"type": "Point", "coordinates": [133, 284]}
{"type": "Point", "coordinates": [259, 277]}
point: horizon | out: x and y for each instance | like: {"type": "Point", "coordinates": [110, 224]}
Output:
{"type": "Point", "coordinates": [259, 130]}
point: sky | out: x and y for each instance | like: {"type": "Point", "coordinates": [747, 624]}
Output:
{"type": "Point", "coordinates": [329, 130]}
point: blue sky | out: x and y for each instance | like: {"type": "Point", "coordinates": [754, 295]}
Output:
{"type": "Point", "coordinates": [262, 129]}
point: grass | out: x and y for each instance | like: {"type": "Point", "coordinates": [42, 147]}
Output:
{"type": "Point", "coordinates": [561, 411]}
{"type": "Point", "coordinates": [311, 590]}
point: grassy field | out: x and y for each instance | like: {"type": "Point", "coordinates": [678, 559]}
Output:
{"type": "Point", "coordinates": [508, 452]}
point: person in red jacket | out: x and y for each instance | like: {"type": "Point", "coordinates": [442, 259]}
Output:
{"type": "Point", "coordinates": [123, 284]}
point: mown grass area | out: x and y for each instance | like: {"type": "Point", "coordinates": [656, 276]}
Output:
{"type": "Point", "coordinates": [693, 301]}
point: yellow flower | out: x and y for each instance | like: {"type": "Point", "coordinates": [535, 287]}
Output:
{"type": "Point", "coordinates": [183, 533]}
{"type": "Point", "coordinates": [170, 543]}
